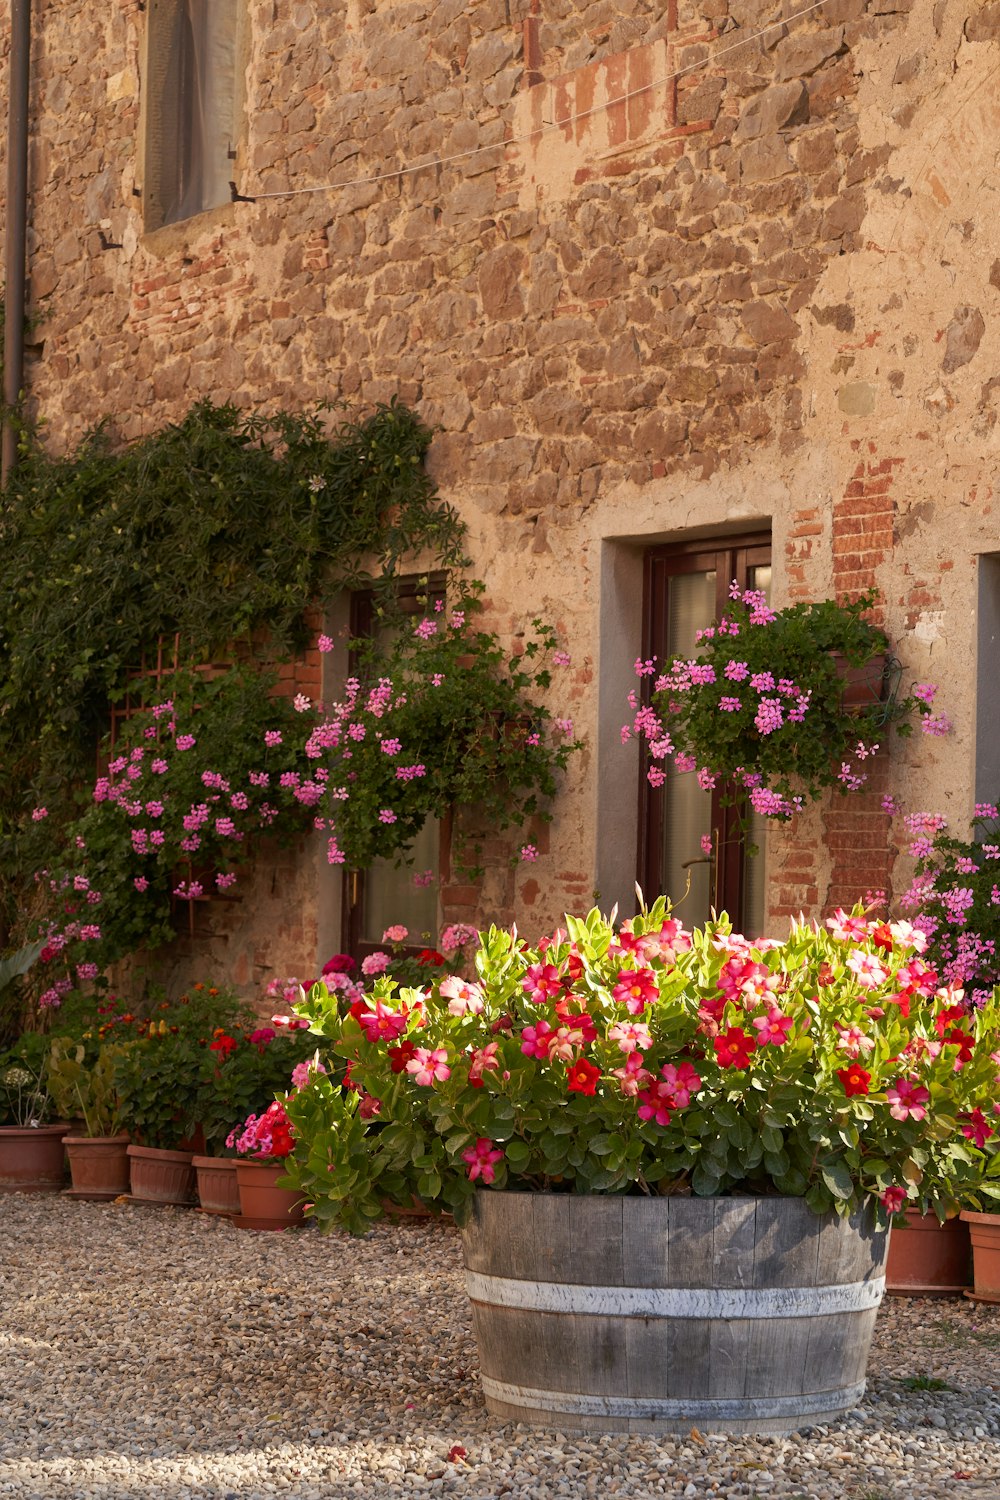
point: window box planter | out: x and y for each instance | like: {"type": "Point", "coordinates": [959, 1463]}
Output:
{"type": "Point", "coordinates": [218, 1189]}
{"type": "Point", "coordinates": [927, 1258]}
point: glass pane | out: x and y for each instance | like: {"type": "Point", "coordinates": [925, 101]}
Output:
{"type": "Point", "coordinates": [391, 896]}
{"type": "Point", "coordinates": [760, 578]}
{"type": "Point", "coordinates": [755, 865]}
{"type": "Point", "coordinates": [687, 810]}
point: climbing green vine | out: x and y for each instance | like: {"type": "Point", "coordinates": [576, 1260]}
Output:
{"type": "Point", "coordinates": [217, 532]}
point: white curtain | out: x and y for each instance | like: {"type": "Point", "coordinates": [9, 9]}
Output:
{"type": "Point", "coordinates": [203, 69]}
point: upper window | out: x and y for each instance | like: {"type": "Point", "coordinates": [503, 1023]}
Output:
{"type": "Point", "coordinates": [192, 103]}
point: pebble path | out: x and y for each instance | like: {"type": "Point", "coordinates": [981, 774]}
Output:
{"type": "Point", "coordinates": [161, 1354]}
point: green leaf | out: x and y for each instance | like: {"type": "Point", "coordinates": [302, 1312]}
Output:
{"type": "Point", "coordinates": [837, 1179]}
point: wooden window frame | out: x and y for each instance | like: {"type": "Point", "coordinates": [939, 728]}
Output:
{"type": "Point", "coordinates": [731, 557]}
{"type": "Point", "coordinates": [413, 596]}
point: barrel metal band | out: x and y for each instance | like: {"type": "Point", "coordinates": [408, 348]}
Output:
{"type": "Point", "coordinates": [676, 1302]}
{"type": "Point", "coordinates": [688, 1409]}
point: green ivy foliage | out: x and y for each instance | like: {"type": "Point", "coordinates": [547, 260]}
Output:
{"type": "Point", "coordinates": [218, 531]}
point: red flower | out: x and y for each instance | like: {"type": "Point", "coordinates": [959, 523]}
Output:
{"type": "Point", "coordinates": [854, 1079]}
{"type": "Point", "coordinates": [977, 1128]}
{"type": "Point", "coordinates": [223, 1045]}
{"type": "Point", "coordinates": [400, 1055]}
{"type": "Point", "coordinates": [881, 936]}
{"type": "Point", "coordinates": [733, 1049]}
{"type": "Point", "coordinates": [340, 963]}
{"type": "Point", "coordinates": [949, 1014]}
{"type": "Point", "coordinates": [582, 1077]}
{"type": "Point", "coordinates": [825, 976]}
{"type": "Point", "coordinates": [431, 956]}
{"type": "Point", "coordinates": [963, 1040]}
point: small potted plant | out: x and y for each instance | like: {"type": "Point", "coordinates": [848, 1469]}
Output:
{"type": "Point", "coordinates": [768, 710]}
{"type": "Point", "coordinates": [241, 1071]}
{"type": "Point", "coordinates": [691, 1128]}
{"type": "Point", "coordinates": [263, 1143]}
{"type": "Point", "coordinates": [32, 1158]}
{"type": "Point", "coordinates": [87, 1090]}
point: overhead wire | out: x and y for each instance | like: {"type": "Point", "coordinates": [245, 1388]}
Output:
{"type": "Point", "coordinates": [532, 135]}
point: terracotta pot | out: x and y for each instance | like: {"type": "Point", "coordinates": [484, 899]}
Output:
{"type": "Point", "coordinates": [262, 1204]}
{"type": "Point", "coordinates": [218, 1189]}
{"type": "Point", "coordinates": [161, 1176]}
{"type": "Point", "coordinates": [928, 1259]}
{"type": "Point", "coordinates": [864, 687]}
{"type": "Point", "coordinates": [984, 1230]}
{"type": "Point", "coordinates": [32, 1159]}
{"type": "Point", "coordinates": [98, 1165]}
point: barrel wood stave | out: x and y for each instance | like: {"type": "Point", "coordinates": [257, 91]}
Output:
{"type": "Point", "coordinates": [735, 1314]}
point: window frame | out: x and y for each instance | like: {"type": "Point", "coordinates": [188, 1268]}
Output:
{"type": "Point", "coordinates": [731, 557]}
{"type": "Point", "coordinates": [413, 596]}
{"type": "Point", "coordinates": [153, 101]}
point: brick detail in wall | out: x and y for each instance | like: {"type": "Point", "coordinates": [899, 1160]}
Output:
{"type": "Point", "coordinates": [856, 828]}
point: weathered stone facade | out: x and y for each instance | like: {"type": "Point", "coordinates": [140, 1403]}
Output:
{"type": "Point", "coordinates": [655, 270]}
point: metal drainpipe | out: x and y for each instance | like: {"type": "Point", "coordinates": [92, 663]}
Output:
{"type": "Point", "coordinates": [16, 227]}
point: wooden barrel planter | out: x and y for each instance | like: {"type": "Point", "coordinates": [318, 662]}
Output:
{"type": "Point", "coordinates": [656, 1315]}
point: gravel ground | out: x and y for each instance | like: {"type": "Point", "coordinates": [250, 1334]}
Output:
{"type": "Point", "coordinates": [162, 1354]}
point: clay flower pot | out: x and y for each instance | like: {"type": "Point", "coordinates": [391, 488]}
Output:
{"type": "Point", "coordinates": [984, 1230]}
{"type": "Point", "coordinates": [927, 1258]}
{"type": "Point", "coordinates": [98, 1165]}
{"type": "Point", "coordinates": [32, 1159]}
{"type": "Point", "coordinates": [161, 1176]}
{"type": "Point", "coordinates": [264, 1205]}
{"type": "Point", "coordinates": [218, 1189]}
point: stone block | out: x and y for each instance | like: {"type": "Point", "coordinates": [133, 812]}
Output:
{"type": "Point", "coordinates": [984, 25]}
{"type": "Point", "coordinates": [963, 337]}
{"type": "Point", "coordinates": [765, 159]}
{"type": "Point", "coordinates": [803, 52]}
{"type": "Point", "coordinates": [767, 324]}
{"type": "Point", "coordinates": [500, 282]}
{"type": "Point", "coordinates": [778, 107]}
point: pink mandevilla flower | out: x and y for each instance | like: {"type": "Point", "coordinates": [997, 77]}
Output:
{"type": "Point", "coordinates": [382, 1024]}
{"type": "Point", "coordinates": [482, 1159]}
{"type": "Point", "coordinates": [907, 1100]}
{"type": "Point", "coordinates": [463, 999]}
{"type": "Point", "coordinates": [774, 1027]}
{"type": "Point", "coordinates": [426, 1066]}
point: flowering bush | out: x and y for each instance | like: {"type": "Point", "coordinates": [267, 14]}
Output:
{"type": "Point", "coordinates": [265, 1137]}
{"type": "Point", "coordinates": [443, 720]}
{"type": "Point", "coordinates": [446, 717]}
{"type": "Point", "coordinates": [242, 1069]}
{"type": "Point", "coordinates": [645, 1058]}
{"type": "Point", "coordinates": [954, 897]}
{"type": "Point", "coordinates": [762, 706]}
{"type": "Point", "coordinates": [407, 963]}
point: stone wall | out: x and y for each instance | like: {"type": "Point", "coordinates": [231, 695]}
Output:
{"type": "Point", "coordinates": [761, 289]}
